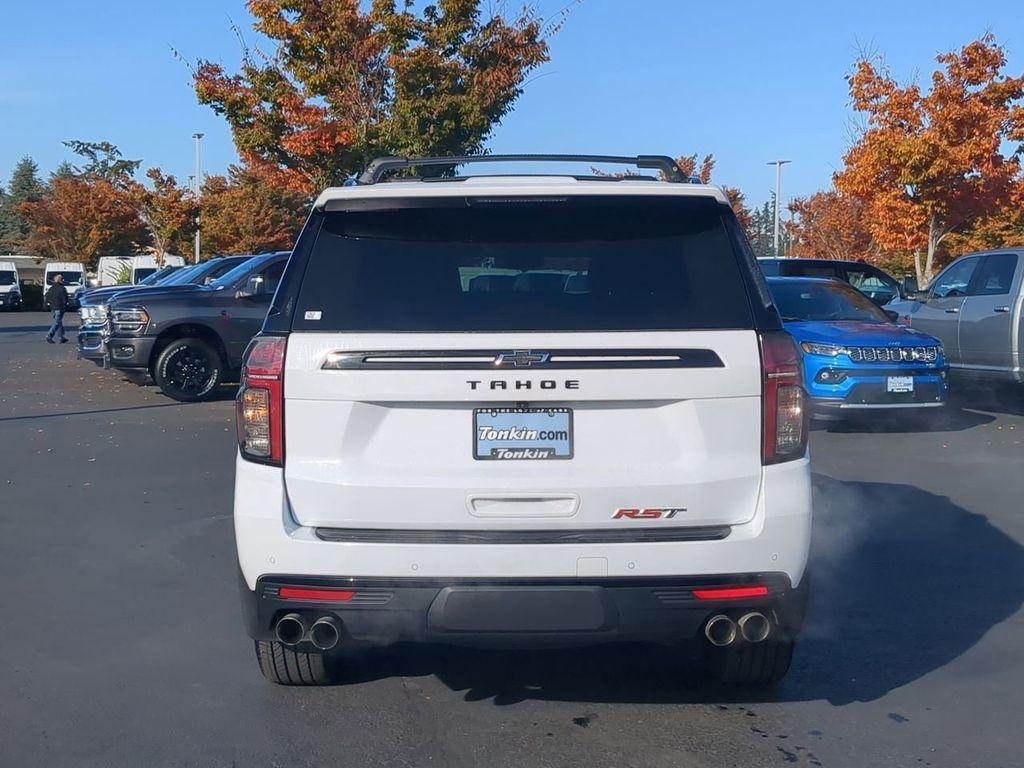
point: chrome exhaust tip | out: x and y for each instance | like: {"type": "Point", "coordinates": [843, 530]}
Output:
{"type": "Point", "coordinates": [754, 626]}
{"type": "Point", "coordinates": [290, 629]}
{"type": "Point", "coordinates": [720, 630]}
{"type": "Point", "coordinates": [325, 633]}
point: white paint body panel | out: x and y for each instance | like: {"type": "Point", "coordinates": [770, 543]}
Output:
{"type": "Point", "coordinates": [394, 449]}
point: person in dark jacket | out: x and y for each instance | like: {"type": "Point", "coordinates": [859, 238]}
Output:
{"type": "Point", "coordinates": [57, 299]}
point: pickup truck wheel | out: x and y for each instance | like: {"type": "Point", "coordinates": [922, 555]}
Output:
{"type": "Point", "coordinates": [188, 369]}
{"type": "Point", "coordinates": [284, 666]}
{"type": "Point", "coordinates": [751, 663]}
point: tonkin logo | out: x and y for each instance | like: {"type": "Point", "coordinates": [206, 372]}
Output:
{"type": "Point", "coordinates": [650, 513]}
{"type": "Point", "coordinates": [521, 358]}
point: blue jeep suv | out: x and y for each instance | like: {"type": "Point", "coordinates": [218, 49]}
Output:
{"type": "Point", "coordinates": [855, 356]}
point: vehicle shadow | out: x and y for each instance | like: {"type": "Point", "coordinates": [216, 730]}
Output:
{"type": "Point", "coordinates": [904, 582]}
{"type": "Point", "coordinates": [952, 418]}
{"type": "Point", "coordinates": [1002, 398]}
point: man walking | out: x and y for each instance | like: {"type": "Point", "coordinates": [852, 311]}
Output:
{"type": "Point", "coordinates": [57, 299]}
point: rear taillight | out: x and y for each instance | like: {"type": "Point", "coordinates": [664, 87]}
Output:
{"type": "Point", "coordinates": [260, 403]}
{"type": "Point", "coordinates": [784, 411]}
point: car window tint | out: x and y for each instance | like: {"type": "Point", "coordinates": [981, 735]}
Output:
{"type": "Point", "coordinates": [954, 281]}
{"type": "Point", "coordinates": [271, 276]}
{"type": "Point", "coordinates": [584, 263]}
{"type": "Point", "coordinates": [870, 283]}
{"type": "Point", "coordinates": [807, 270]}
{"type": "Point", "coordinates": [996, 274]}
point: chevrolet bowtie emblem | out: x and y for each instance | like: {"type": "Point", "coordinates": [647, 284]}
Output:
{"type": "Point", "coordinates": [520, 358]}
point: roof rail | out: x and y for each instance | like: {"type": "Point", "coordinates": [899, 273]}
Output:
{"type": "Point", "coordinates": [381, 165]}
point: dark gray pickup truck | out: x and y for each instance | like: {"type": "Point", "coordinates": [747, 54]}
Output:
{"type": "Point", "coordinates": [190, 341]}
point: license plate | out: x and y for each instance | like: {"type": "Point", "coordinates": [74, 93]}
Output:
{"type": "Point", "coordinates": [899, 384]}
{"type": "Point", "coordinates": [522, 433]}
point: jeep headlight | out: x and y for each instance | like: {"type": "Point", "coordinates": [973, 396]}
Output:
{"type": "Point", "coordinates": [129, 319]}
{"type": "Point", "coordinates": [827, 350]}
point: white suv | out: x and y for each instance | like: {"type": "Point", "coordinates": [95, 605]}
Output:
{"type": "Point", "coordinates": [522, 410]}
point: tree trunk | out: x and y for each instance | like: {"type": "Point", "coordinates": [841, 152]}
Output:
{"type": "Point", "coordinates": [934, 238]}
{"type": "Point", "coordinates": [918, 270]}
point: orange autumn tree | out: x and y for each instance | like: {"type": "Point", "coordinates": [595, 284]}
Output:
{"type": "Point", "coordinates": [928, 164]}
{"type": "Point", "coordinates": [830, 225]}
{"type": "Point", "coordinates": [346, 83]}
{"type": "Point", "coordinates": [81, 219]}
{"type": "Point", "coordinates": [245, 213]}
{"type": "Point", "coordinates": [168, 211]}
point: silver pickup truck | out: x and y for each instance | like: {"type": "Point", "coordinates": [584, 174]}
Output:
{"type": "Point", "coordinates": [974, 307]}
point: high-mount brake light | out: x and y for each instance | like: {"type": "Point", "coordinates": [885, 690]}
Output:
{"type": "Point", "coordinates": [260, 403]}
{"type": "Point", "coordinates": [783, 404]}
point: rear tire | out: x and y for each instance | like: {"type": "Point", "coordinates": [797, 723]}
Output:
{"type": "Point", "coordinates": [188, 370]}
{"type": "Point", "coordinates": [751, 663]}
{"type": "Point", "coordinates": [285, 666]}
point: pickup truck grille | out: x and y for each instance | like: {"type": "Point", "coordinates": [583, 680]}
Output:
{"type": "Point", "coordinates": [893, 354]}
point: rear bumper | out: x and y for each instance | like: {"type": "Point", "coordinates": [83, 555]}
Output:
{"type": "Point", "coordinates": [524, 612]}
{"type": "Point", "coordinates": [775, 540]}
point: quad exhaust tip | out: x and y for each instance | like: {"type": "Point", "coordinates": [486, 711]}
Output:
{"type": "Point", "coordinates": [720, 630]}
{"type": "Point", "coordinates": [290, 629]}
{"type": "Point", "coordinates": [754, 627]}
{"type": "Point", "coordinates": [325, 633]}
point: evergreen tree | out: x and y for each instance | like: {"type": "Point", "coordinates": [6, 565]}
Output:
{"type": "Point", "coordinates": [24, 186]}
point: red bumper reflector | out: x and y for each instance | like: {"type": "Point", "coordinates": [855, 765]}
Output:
{"type": "Point", "coordinates": [308, 593]}
{"type": "Point", "coordinates": [730, 593]}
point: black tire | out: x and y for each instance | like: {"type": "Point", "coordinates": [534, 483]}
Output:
{"type": "Point", "coordinates": [188, 370]}
{"type": "Point", "coordinates": [285, 666]}
{"type": "Point", "coordinates": [751, 663]}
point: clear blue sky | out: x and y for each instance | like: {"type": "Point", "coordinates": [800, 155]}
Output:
{"type": "Point", "coordinates": [748, 82]}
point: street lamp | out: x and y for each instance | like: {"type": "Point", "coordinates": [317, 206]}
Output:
{"type": "Point", "coordinates": [778, 192]}
{"type": "Point", "coordinates": [196, 189]}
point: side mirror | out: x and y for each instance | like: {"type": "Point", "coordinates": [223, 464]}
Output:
{"type": "Point", "coordinates": [920, 295]}
{"type": "Point", "coordinates": [253, 287]}
{"type": "Point", "coordinates": [909, 286]}
{"type": "Point", "coordinates": [892, 314]}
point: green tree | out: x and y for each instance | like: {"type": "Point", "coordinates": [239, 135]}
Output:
{"type": "Point", "coordinates": [25, 186]}
{"type": "Point", "coordinates": [103, 160]}
{"type": "Point", "coordinates": [348, 82]}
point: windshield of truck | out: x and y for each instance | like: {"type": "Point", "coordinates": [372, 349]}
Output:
{"type": "Point", "coordinates": [70, 277]}
{"type": "Point", "coordinates": [7, 277]}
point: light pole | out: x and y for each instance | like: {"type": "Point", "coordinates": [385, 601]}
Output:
{"type": "Point", "coordinates": [198, 186]}
{"type": "Point", "coordinates": [778, 192]}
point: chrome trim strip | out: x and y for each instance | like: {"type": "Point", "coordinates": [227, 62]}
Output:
{"type": "Point", "coordinates": [560, 359]}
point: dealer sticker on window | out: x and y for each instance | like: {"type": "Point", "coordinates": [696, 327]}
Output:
{"type": "Point", "coordinates": [522, 433]}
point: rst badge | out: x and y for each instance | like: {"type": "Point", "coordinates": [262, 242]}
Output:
{"type": "Point", "coordinates": [646, 513]}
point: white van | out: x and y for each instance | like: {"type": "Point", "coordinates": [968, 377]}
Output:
{"type": "Point", "coordinates": [131, 270]}
{"type": "Point", "coordinates": [73, 273]}
{"type": "Point", "coordinates": [10, 291]}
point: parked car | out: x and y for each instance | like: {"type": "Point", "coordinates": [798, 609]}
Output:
{"type": "Point", "coordinates": [131, 270]}
{"type": "Point", "coordinates": [606, 441]}
{"type": "Point", "coordinates": [874, 283]}
{"type": "Point", "coordinates": [73, 275]}
{"type": "Point", "coordinates": [974, 306]}
{"type": "Point", "coordinates": [191, 338]}
{"type": "Point", "coordinates": [94, 331]}
{"type": "Point", "coordinates": [855, 357]}
{"type": "Point", "coordinates": [10, 290]}
{"type": "Point", "coordinates": [160, 276]}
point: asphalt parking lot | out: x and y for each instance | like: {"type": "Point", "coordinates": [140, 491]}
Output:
{"type": "Point", "coordinates": [122, 643]}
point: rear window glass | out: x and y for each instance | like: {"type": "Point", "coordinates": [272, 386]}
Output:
{"type": "Point", "coordinates": [574, 264]}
